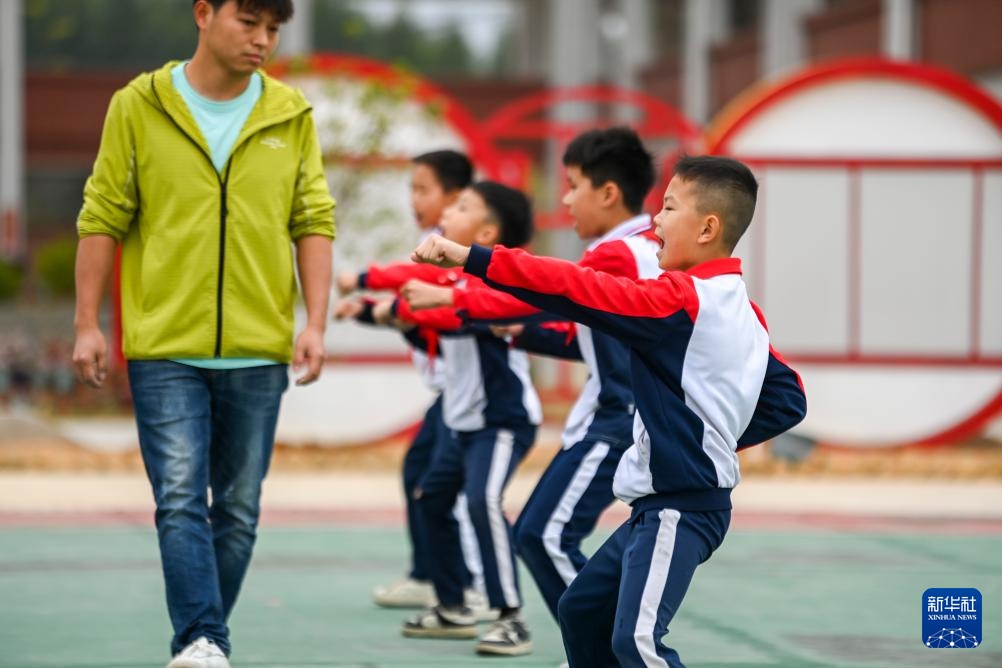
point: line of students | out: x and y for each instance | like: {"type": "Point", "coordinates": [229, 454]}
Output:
{"type": "Point", "coordinates": [437, 179]}
{"type": "Point", "coordinates": [681, 375]}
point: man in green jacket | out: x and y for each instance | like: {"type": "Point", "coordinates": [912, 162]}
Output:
{"type": "Point", "coordinates": [209, 171]}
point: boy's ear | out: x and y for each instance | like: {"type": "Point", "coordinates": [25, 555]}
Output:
{"type": "Point", "coordinates": [711, 229]}
{"type": "Point", "coordinates": [610, 194]}
{"type": "Point", "coordinates": [488, 235]}
{"type": "Point", "coordinates": [451, 196]}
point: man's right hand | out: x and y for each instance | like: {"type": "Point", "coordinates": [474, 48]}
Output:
{"type": "Point", "coordinates": [441, 252]}
{"type": "Point", "coordinates": [90, 356]}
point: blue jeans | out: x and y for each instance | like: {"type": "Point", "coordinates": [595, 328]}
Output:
{"type": "Point", "coordinates": [202, 429]}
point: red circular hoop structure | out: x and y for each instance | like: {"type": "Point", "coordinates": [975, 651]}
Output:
{"type": "Point", "coordinates": [481, 152]}
{"type": "Point", "coordinates": [530, 119]}
{"type": "Point", "coordinates": [749, 105]}
{"type": "Point", "coordinates": [725, 132]}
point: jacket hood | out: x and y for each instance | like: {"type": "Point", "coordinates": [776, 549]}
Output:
{"type": "Point", "coordinates": [279, 102]}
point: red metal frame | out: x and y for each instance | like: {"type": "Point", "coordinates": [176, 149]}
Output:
{"type": "Point", "coordinates": [528, 119]}
{"type": "Point", "coordinates": [481, 151]}
{"type": "Point", "coordinates": [976, 234]}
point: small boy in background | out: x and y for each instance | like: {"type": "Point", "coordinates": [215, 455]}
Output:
{"type": "Point", "coordinates": [707, 383]}
{"type": "Point", "coordinates": [437, 179]}
{"type": "Point", "coordinates": [493, 410]}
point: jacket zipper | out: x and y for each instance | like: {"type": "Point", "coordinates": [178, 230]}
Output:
{"type": "Point", "coordinates": [223, 182]}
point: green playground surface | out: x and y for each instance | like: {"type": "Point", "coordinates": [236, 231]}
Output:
{"type": "Point", "coordinates": [92, 597]}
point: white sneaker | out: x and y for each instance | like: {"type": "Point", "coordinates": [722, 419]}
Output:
{"type": "Point", "coordinates": [406, 593]}
{"type": "Point", "coordinates": [508, 636]}
{"type": "Point", "coordinates": [203, 653]}
{"type": "Point", "coordinates": [477, 601]}
{"type": "Point", "coordinates": [439, 622]}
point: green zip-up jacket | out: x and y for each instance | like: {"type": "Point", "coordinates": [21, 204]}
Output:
{"type": "Point", "coordinates": [207, 262]}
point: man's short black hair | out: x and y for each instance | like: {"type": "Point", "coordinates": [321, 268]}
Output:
{"type": "Point", "coordinates": [723, 186]}
{"type": "Point", "coordinates": [453, 169]}
{"type": "Point", "coordinates": [510, 209]}
{"type": "Point", "coordinates": [617, 155]}
{"type": "Point", "coordinates": [280, 9]}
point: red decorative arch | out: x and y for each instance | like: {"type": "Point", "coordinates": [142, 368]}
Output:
{"type": "Point", "coordinates": [481, 152]}
{"type": "Point", "coordinates": [747, 106]}
{"type": "Point", "coordinates": [516, 119]}
{"type": "Point", "coordinates": [528, 119]}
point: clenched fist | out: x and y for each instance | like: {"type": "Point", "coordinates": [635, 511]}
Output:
{"type": "Point", "coordinates": [349, 308]}
{"type": "Point", "coordinates": [346, 282]}
{"type": "Point", "coordinates": [441, 252]}
{"type": "Point", "coordinates": [421, 295]}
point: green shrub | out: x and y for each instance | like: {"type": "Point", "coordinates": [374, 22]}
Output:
{"type": "Point", "coordinates": [55, 263]}
{"type": "Point", "coordinates": [10, 280]}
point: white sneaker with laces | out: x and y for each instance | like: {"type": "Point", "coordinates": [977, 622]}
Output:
{"type": "Point", "coordinates": [508, 636]}
{"type": "Point", "coordinates": [202, 653]}
{"type": "Point", "coordinates": [439, 622]}
{"type": "Point", "coordinates": [406, 593]}
{"type": "Point", "coordinates": [477, 601]}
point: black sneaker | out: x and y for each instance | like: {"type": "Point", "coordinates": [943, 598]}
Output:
{"type": "Point", "coordinates": [508, 636]}
{"type": "Point", "coordinates": [439, 622]}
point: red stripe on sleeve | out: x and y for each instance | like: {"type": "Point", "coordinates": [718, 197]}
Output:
{"type": "Point", "coordinates": [660, 298]}
{"type": "Point", "coordinates": [392, 276]}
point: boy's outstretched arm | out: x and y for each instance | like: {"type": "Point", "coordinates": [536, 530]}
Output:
{"type": "Point", "coordinates": [553, 339]}
{"type": "Point", "coordinates": [442, 319]}
{"type": "Point", "coordinates": [392, 277]}
{"type": "Point", "coordinates": [632, 310]}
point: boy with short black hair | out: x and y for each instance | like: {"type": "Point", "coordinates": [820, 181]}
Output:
{"type": "Point", "coordinates": [437, 179]}
{"type": "Point", "coordinates": [493, 410]}
{"type": "Point", "coordinates": [707, 383]}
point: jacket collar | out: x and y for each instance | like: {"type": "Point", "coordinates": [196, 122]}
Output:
{"type": "Point", "coordinates": [627, 228]}
{"type": "Point", "coordinates": [717, 267]}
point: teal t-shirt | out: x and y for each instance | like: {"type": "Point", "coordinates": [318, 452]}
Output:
{"type": "Point", "coordinates": [220, 123]}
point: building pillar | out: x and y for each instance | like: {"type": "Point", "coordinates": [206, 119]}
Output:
{"type": "Point", "coordinates": [574, 60]}
{"type": "Point", "coordinates": [783, 37]}
{"type": "Point", "coordinates": [705, 23]}
{"type": "Point", "coordinates": [531, 38]}
{"type": "Point", "coordinates": [296, 36]}
{"type": "Point", "coordinates": [12, 227]}
{"type": "Point", "coordinates": [627, 31]}
{"type": "Point", "coordinates": [898, 29]}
